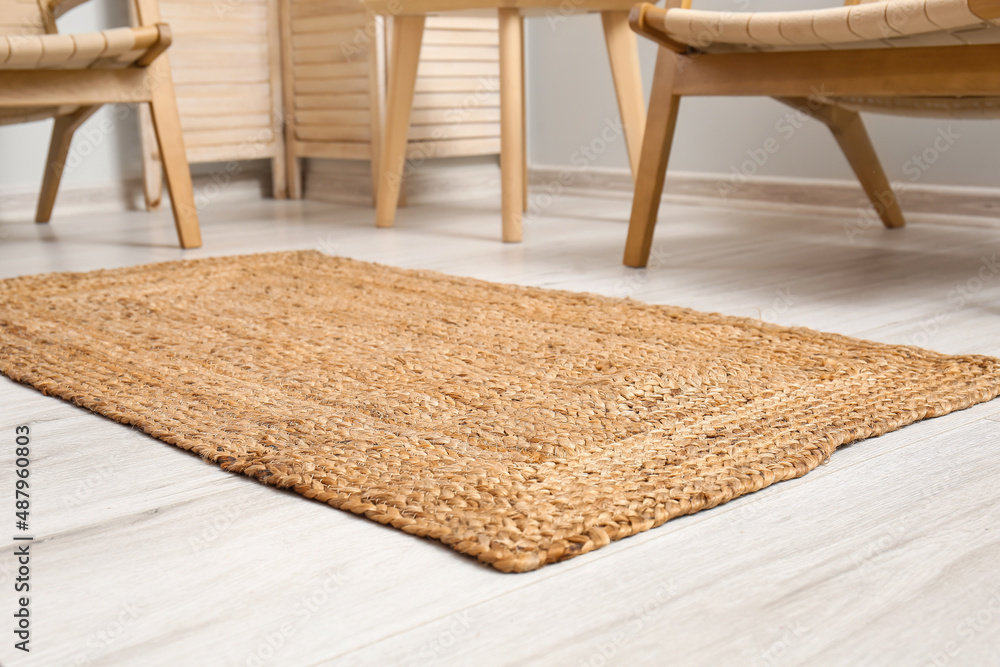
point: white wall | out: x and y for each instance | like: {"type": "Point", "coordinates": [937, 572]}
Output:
{"type": "Point", "coordinates": [105, 149]}
{"type": "Point", "coordinates": [571, 99]}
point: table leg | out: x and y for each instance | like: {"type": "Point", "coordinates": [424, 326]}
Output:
{"type": "Point", "coordinates": [408, 34]}
{"type": "Point", "coordinates": [511, 122]}
{"type": "Point", "coordinates": [623, 52]}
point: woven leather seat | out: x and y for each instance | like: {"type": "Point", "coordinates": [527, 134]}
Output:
{"type": "Point", "coordinates": [868, 24]}
{"type": "Point", "coordinates": [119, 47]}
{"type": "Point", "coordinates": [872, 24]}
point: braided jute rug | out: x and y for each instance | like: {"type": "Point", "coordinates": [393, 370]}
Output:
{"type": "Point", "coordinates": [518, 425]}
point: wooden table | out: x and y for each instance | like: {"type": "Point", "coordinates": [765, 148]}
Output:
{"type": "Point", "coordinates": [408, 28]}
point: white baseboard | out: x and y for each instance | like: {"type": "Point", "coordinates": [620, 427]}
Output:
{"type": "Point", "coordinates": [213, 183]}
{"type": "Point", "coordinates": [439, 180]}
{"type": "Point", "coordinates": [462, 179]}
{"type": "Point", "coordinates": [943, 203]}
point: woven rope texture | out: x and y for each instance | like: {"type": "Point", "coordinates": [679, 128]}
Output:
{"type": "Point", "coordinates": [520, 426]}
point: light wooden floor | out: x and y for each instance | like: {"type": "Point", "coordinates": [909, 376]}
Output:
{"type": "Point", "coordinates": [887, 555]}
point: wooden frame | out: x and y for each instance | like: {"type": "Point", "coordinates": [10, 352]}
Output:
{"type": "Point", "coordinates": [808, 80]}
{"type": "Point", "coordinates": [622, 53]}
{"type": "Point", "coordinates": [148, 81]}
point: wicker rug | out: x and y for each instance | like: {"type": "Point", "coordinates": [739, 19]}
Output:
{"type": "Point", "coordinates": [520, 426]}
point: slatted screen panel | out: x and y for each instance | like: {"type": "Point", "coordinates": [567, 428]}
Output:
{"type": "Point", "coordinates": [337, 56]}
{"type": "Point", "coordinates": [226, 67]}
{"type": "Point", "coordinates": [456, 107]}
{"type": "Point", "coordinates": [332, 43]}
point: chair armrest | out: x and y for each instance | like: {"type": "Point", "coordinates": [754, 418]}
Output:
{"type": "Point", "coordinates": [639, 18]}
{"type": "Point", "coordinates": [164, 37]}
{"type": "Point", "coordinates": [151, 34]}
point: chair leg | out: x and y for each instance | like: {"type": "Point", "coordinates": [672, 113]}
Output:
{"type": "Point", "coordinates": [170, 138]}
{"type": "Point", "coordinates": [152, 168]}
{"type": "Point", "coordinates": [294, 177]}
{"type": "Point", "coordinates": [623, 52]}
{"type": "Point", "coordinates": [407, 36]}
{"type": "Point", "coordinates": [657, 140]}
{"type": "Point", "coordinates": [524, 127]}
{"type": "Point", "coordinates": [62, 137]}
{"type": "Point", "coordinates": [293, 163]}
{"type": "Point", "coordinates": [279, 176]}
{"type": "Point", "coordinates": [511, 123]}
{"type": "Point", "coordinates": [849, 131]}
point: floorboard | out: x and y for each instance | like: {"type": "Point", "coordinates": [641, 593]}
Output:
{"type": "Point", "coordinates": [886, 555]}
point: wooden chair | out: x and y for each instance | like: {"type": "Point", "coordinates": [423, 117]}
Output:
{"type": "Point", "coordinates": [913, 57]}
{"type": "Point", "coordinates": [69, 77]}
{"type": "Point", "coordinates": [408, 28]}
